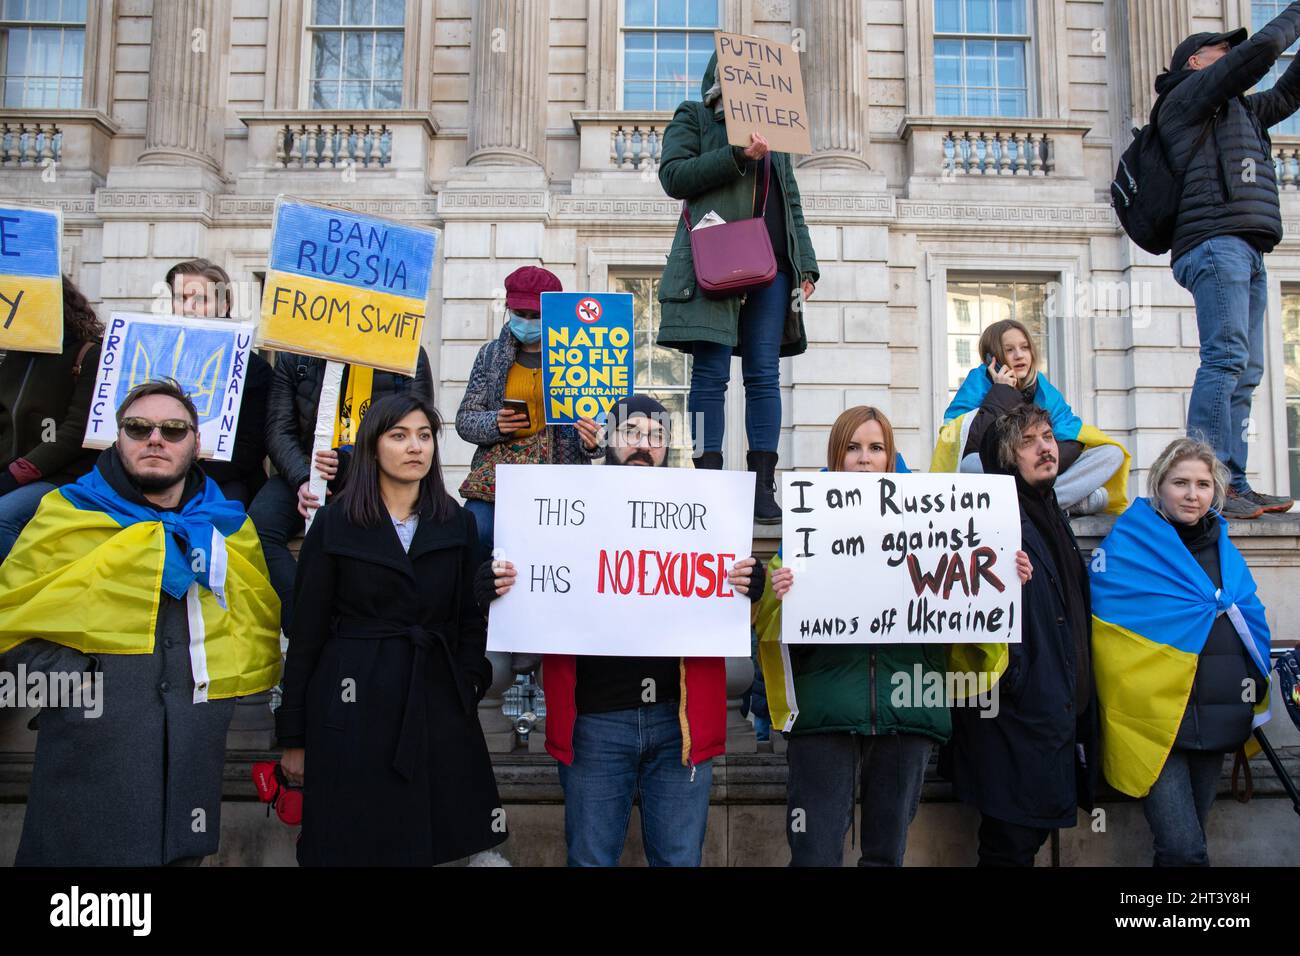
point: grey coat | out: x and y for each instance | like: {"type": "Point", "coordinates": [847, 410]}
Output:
{"type": "Point", "coordinates": [139, 785]}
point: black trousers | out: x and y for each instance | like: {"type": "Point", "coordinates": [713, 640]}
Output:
{"type": "Point", "coordinates": [1009, 844]}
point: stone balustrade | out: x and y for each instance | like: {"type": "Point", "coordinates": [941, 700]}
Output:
{"type": "Point", "coordinates": [629, 141]}
{"type": "Point", "coordinates": [1286, 162]}
{"type": "Point", "coordinates": [1004, 152]}
{"type": "Point", "coordinates": [72, 142]}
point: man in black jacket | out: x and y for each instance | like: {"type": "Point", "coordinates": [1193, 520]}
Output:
{"type": "Point", "coordinates": [1029, 764]}
{"type": "Point", "coordinates": [1229, 216]}
{"type": "Point", "coordinates": [280, 510]}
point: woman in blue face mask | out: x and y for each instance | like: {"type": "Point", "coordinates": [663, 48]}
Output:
{"type": "Point", "coordinates": [508, 371]}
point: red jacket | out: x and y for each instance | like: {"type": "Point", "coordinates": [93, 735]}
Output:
{"type": "Point", "coordinates": [702, 708]}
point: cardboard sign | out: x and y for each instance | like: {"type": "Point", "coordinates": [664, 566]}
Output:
{"type": "Point", "coordinates": [890, 558]}
{"type": "Point", "coordinates": [209, 357]}
{"type": "Point", "coordinates": [587, 355]}
{"type": "Point", "coordinates": [622, 560]}
{"type": "Point", "coordinates": [31, 280]}
{"type": "Point", "coordinates": [346, 286]}
{"type": "Point", "coordinates": [762, 92]}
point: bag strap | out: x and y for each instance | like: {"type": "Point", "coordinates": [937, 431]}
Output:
{"type": "Point", "coordinates": [81, 357]}
{"type": "Point", "coordinates": [1239, 765]}
{"type": "Point", "coordinates": [767, 184]}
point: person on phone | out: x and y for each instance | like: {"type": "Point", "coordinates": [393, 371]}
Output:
{"type": "Point", "coordinates": [280, 509]}
{"type": "Point", "coordinates": [503, 410]}
{"type": "Point", "coordinates": [1093, 474]}
{"type": "Point", "coordinates": [699, 166]}
{"type": "Point", "coordinates": [202, 289]}
{"type": "Point", "coordinates": [837, 703]}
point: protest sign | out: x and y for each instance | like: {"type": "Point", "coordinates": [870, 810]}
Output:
{"type": "Point", "coordinates": [898, 558]}
{"type": "Point", "coordinates": [345, 286]}
{"type": "Point", "coordinates": [623, 560]}
{"type": "Point", "coordinates": [31, 280]}
{"type": "Point", "coordinates": [587, 358]}
{"type": "Point", "coordinates": [762, 92]}
{"type": "Point", "coordinates": [209, 357]}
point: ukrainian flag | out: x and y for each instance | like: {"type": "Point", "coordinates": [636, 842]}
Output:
{"type": "Point", "coordinates": [89, 569]}
{"type": "Point", "coordinates": [1065, 425]}
{"type": "Point", "coordinates": [1153, 607]}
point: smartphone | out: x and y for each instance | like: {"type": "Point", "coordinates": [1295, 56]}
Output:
{"type": "Point", "coordinates": [988, 357]}
{"type": "Point", "coordinates": [519, 407]}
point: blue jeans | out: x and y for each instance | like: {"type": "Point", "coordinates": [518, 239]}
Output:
{"type": "Point", "coordinates": [629, 754]}
{"type": "Point", "coordinates": [1226, 277]}
{"type": "Point", "coordinates": [1179, 804]}
{"type": "Point", "coordinates": [484, 513]}
{"type": "Point", "coordinates": [16, 509]}
{"type": "Point", "coordinates": [762, 320]}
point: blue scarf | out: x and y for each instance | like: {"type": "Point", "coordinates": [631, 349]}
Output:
{"type": "Point", "coordinates": [191, 528]}
{"type": "Point", "coordinates": [1065, 424]}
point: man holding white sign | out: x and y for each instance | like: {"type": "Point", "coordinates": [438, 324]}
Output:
{"type": "Point", "coordinates": [1028, 768]}
{"type": "Point", "coordinates": [618, 564]}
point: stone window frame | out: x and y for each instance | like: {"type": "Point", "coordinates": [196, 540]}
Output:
{"type": "Point", "coordinates": [97, 55]}
{"type": "Point", "coordinates": [605, 54]}
{"type": "Point", "coordinates": [1047, 63]}
{"type": "Point", "coordinates": [288, 55]}
{"type": "Point", "coordinates": [1067, 357]}
{"type": "Point", "coordinates": [1272, 389]}
{"type": "Point", "coordinates": [618, 259]}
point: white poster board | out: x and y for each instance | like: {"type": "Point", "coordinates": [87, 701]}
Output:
{"type": "Point", "coordinates": [622, 560]}
{"type": "Point", "coordinates": [899, 558]}
{"type": "Point", "coordinates": [209, 357]}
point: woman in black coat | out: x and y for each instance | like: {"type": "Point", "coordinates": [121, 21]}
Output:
{"type": "Point", "coordinates": [386, 662]}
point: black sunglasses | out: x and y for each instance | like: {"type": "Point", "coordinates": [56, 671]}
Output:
{"type": "Point", "coordinates": [173, 430]}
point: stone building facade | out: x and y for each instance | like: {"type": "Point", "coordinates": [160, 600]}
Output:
{"type": "Point", "coordinates": [527, 131]}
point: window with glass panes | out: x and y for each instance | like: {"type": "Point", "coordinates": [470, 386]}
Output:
{"type": "Point", "coordinates": [356, 54]}
{"type": "Point", "coordinates": [1262, 11]}
{"type": "Point", "coordinates": [664, 374]}
{"type": "Point", "coordinates": [666, 46]}
{"type": "Point", "coordinates": [975, 303]}
{"type": "Point", "coordinates": [42, 53]}
{"type": "Point", "coordinates": [981, 57]}
{"type": "Point", "coordinates": [1291, 365]}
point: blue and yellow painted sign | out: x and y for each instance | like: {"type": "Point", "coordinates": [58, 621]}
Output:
{"type": "Point", "coordinates": [587, 355]}
{"type": "Point", "coordinates": [346, 286]}
{"type": "Point", "coordinates": [31, 282]}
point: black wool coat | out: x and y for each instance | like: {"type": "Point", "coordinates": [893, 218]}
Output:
{"type": "Point", "coordinates": [1023, 765]}
{"type": "Point", "coordinates": [385, 669]}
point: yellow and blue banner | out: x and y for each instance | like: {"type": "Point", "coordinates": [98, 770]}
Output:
{"type": "Point", "coordinates": [1066, 426]}
{"type": "Point", "coordinates": [89, 570]}
{"type": "Point", "coordinates": [588, 364]}
{"type": "Point", "coordinates": [1153, 607]}
{"type": "Point", "coordinates": [346, 286]}
{"type": "Point", "coordinates": [31, 280]}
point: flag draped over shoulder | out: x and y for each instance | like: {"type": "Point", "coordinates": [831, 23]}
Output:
{"type": "Point", "coordinates": [1066, 425]}
{"type": "Point", "coordinates": [1153, 607]}
{"type": "Point", "coordinates": [89, 570]}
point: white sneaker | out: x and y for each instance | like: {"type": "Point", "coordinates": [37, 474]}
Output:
{"type": "Point", "coordinates": [1095, 503]}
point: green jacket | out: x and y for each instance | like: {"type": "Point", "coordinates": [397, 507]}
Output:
{"type": "Point", "coordinates": [850, 688]}
{"type": "Point", "coordinates": [698, 165]}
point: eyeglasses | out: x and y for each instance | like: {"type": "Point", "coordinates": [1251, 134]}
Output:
{"type": "Point", "coordinates": [140, 429]}
{"type": "Point", "coordinates": [653, 437]}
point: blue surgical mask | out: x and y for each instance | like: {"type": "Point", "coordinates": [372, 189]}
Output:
{"type": "Point", "coordinates": [527, 331]}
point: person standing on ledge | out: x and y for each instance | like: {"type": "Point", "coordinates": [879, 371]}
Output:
{"type": "Point", "coordinates": [701, 168]}
{"type": "Point", "coordinates": [1229, 216]}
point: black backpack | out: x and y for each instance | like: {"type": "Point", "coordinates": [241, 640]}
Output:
{"type": "Point", "coordinates": [1146, 190]}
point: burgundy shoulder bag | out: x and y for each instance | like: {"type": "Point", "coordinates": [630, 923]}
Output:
{"type": "Point", "coordinates": [734, 257]}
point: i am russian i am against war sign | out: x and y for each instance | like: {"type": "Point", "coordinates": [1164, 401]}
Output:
{"type": "Point", "coordinates": [209, 357]}
{"type": "Point", "coordinates": [899, 558]}
{"type": "Point", "coordinates": [346, 286]}
{"type": "Point", "coordinates": [624, 560]}
{"type": "Point", "coordinates": [587, 354]}
{"type": "Point", "coordinates": [31, 280]}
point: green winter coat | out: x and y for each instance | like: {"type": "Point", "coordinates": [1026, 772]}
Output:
{"type": "Point", "coordinates": [699, 166]}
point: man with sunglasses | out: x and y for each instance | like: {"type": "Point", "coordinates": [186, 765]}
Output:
{"type": "Point", "coordinates": [626, 728]}
{"type": "Point", "coordinates": [140, 580]}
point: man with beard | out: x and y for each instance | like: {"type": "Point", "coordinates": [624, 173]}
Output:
{"type": "Point", "coordinates": [625, 728]}
{"type": "Point", "coordinates": [1028, 767]}
{"type": "Point", "coordinates": [143, 581]}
